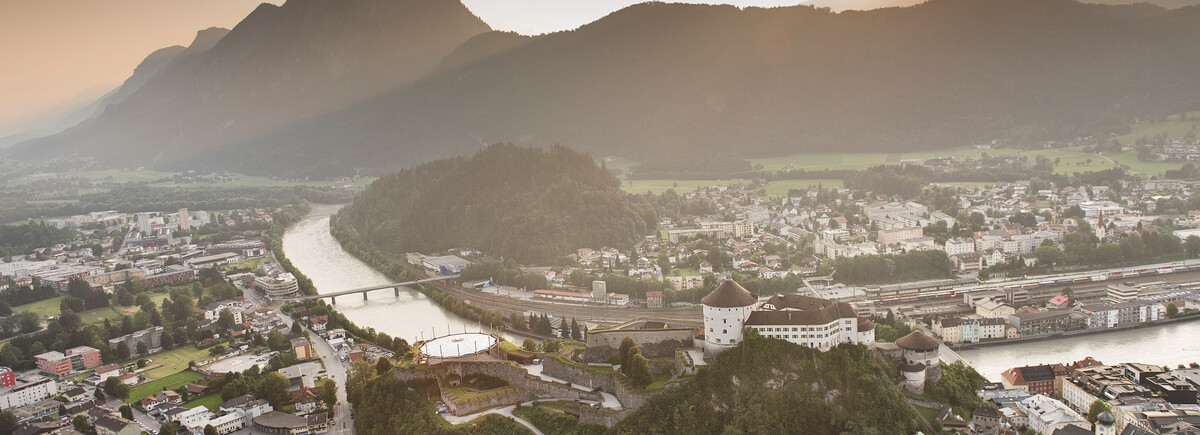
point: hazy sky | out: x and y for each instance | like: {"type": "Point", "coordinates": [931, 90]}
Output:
{"type": "Point", "coordinates": [53, 51]}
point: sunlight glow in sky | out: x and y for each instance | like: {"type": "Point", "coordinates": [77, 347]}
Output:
{"type": "Point", "coordinates": [56, 52]}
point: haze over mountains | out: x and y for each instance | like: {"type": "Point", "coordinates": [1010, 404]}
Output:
{"type": "Point", "coordinates": [317, 87]}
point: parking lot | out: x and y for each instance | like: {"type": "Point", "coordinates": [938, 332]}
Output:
{"type": "Point", "coordinates": [240, 363]}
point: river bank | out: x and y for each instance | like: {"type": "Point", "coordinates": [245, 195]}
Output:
{"type": "Point", "coordinates": [412, 315]}
{"type": "Point", "coordinates": [1069, 334]}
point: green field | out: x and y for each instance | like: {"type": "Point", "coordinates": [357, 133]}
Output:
{"type": "Point", "coordinates": [211, 401]}
{"type": "Point", "coordinates": [174, 360]}
{"type": "Point", "coordinates": [1070, 160]}
{"type": "Point", "coordinates": [171, 382]}
{"type": "Point", "coordinates": [99, 314]}
{"type": "Point", "coordinates": [45, 307]}
{"type": "Point", "coordinates": [1173, 127]}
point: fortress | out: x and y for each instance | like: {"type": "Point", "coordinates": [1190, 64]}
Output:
{"type": "Point", "coordinates": [813, 322]}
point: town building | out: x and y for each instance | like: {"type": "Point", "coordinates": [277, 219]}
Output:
{"type": "Point", "coordinates": [654, 299]}
{"type": "Point", "coordinates": [302, 348]}
{"type": "Point", "coordinates": [27, 390]}
{"type": "Point", "coordinates": [1047, 415]}
{"type": "Point", "coordinates": [276, 422]}
{"type": "Point", "coordinates": [1035, 379]}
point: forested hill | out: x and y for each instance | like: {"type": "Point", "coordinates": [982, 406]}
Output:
{"type": "Point", "coordinates": [770, 386]}
{"type": "Point", "coordinates": [527, 204]}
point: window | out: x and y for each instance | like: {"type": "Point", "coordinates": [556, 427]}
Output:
{"type": "Point", "coordinates": [724, 331]}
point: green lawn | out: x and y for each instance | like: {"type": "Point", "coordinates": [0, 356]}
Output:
{"type": "Point", "coordinates": [99, 314]}
{"type": "Point", "coordinates": [834, 161]}
{"type": "Point", "coordinates": [46, 307]}
{"type": "Point", "coordinates": [175, 360]}
{"type": "Point", "coordinates": [171, 382]}
{"type": "Point", "coordinates": [211, 401]}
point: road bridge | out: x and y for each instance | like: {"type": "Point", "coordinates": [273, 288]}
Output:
{"type": "Point", "coordinates": [364, 290]}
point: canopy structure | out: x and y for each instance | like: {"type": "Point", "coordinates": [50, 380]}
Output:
{"type": "Point", "coordinates": [458, 345]}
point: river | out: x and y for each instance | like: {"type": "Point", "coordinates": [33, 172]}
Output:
{"type": "Point", "coordinates": [318, 255]}
{"type": "Point", "coordinates": [1170, 345]}
{"type": "Point", "coordinates": [413, 316]}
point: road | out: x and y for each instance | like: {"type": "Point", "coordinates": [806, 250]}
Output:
{"type": "Point", "coordinates": [342, 422]}
{"type": "Point", "coordinates": [147, 423]}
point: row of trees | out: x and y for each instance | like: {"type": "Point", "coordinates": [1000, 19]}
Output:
{"type": "Point", "coordinates": [911, 266]}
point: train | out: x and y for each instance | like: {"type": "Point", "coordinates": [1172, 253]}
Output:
{"type": "Point", "coordinates": [939, 292]}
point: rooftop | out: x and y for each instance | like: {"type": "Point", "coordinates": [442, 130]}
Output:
{"type": "Point", "coordinates": [729, 295]}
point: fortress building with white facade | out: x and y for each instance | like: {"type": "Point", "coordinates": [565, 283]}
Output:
{"type": "Point", "coordinates": [813, 322]}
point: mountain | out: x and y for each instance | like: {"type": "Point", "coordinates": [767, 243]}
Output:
{"type": "Point", "coordinates": [523, 203]}
{"type": "Point", "coordinates": [150, 67]}
{"type": "Point", "coordinates": [866, 5]}
{"type": "Point", "coordinates": [280, 65]}
{"type": "Point", "coordinates": [656, 81]}
{"type": "Point", "coordinates": [653, 82]}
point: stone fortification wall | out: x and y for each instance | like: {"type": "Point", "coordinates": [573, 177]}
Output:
{"type": "Point", "coordinates": [602, 345]}
{"type": "Point", "coordinates": [612, 383]}
{"type": "Point", "coordinates": [525, 386]}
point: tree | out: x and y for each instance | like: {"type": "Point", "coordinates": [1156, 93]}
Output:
{"type": "Point", "coordinates": [627, 347]}
{"type": "Point", "coordinates": [1172, 310]}
{"type": "Point", "coordinates": [225, 319]}
{"type": "Point", "coordinates": [122, 351]}
{"type": "Point", "coordinates": [115, 388]}
{"type": "Point", "coordinates": [8, 422]}
{"type": "Point", "coordinates": [1049, 255]}
{"type": "Point", "coordinates": [81, 425]}
{"type": "Point", "coordinates": [575, 334]}
{"type": "Point", "coordinates": [126, 412]}
{"type": "Point", "coordinates": [141, 348]}
{"type": "Point", "coordinates": [383, 366]}
{"type": "Point", "coordinates": [1097, 407]}
{"type": "Point", "coordinates": [329, 393]}
{"type": "Point", "coordinates": [276, 341]}
{"type": "Point", "coordinates": [639, 371]}
{"type": "Point", "coordinates": [99, 393]}
{"type": "Point", "coordinates": [168, 428]}
{"type": "Point", "coordinates": [357, 379]}
{"type": "Point", "coordinates": [295, 328]}
{"type": "Point", "coordinates": [1192, 246]}
{"type": "Point", "coordinates": [274, 389]}
{"type": "Point", "coordinates": [564, 329]}
{"type": "Point", "coordinates": [210, 430]}
{"type": "Point", "coordinates": [530, 345]}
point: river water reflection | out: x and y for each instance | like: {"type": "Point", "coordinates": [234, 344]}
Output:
{"type": "Point", "coordinates": [318, 255]}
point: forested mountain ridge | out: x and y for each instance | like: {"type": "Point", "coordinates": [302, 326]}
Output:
{"type": "Point", "coordinates": [655, 81]}
{"type": "Point", "coordinates": [522, 203]}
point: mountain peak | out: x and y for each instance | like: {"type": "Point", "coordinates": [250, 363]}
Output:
{"type": "Point", "coordinates": [206, 39]}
